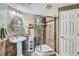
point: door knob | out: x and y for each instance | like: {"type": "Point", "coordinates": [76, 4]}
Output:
{"type": "Point", "coordinates": [78, 15]}
{"type": "Point", "coordinates": [78, 34]}
{"type": "Point", "coordinates": [62, 36]}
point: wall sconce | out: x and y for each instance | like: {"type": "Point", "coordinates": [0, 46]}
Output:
{"type": "Point", "coordinates": [12, 12]}
{"type": "Point", "coordinates": [15, 13]}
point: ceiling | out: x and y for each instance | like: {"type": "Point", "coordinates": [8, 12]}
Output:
{"type": "Point", "coordinates": [45, 9]}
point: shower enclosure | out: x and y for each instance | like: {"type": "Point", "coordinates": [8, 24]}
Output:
{"type": "Point", "coordinates": [39, 27]}
{"type": "Point", "coordinates": [44, 34]}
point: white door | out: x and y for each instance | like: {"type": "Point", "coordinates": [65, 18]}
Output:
{"type": "Point", "coordinates": [78, 36]}
{"type": "Point", "coordinates": [68, 32]}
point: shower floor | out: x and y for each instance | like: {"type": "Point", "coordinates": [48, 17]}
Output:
{"type": "Point", "coordinates": [44, 48]}
{"type": "Point", "coordinates": [45, 51]}
{"type": "Point", "coordinates": [35, 54]}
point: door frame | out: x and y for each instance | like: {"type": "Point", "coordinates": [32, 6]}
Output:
{"type": "Point", "coordinates": [65, 8]}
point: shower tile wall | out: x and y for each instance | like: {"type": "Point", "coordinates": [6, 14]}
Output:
{"type": "Point", "coordinates": [50, 32]}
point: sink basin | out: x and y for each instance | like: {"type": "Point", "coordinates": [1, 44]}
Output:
{"type": "Point", "coordinates": [18, 40]}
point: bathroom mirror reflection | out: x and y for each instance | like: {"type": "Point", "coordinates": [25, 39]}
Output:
{"type": "Point", "coordinates": [16, 25]}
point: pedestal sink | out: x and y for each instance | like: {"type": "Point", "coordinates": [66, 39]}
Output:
{"type": "Point", "coordinates": [18, 40]}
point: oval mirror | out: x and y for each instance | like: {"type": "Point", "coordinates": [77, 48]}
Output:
{"type": "Point", "coordinates": [16, 25]}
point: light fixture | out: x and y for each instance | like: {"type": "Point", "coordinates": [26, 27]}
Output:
{"type": "Point", "coordinates": [12, 12]}
{"type": "Point", "coordinates": [17, 14]}
{"type": "Point", "coordinates": [48, 6]}
{"type": "Point", "coordinates": [20, 15]}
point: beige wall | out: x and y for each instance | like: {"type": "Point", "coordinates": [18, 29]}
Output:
{"type": "Point", "coordinates": [54, 12]}
{"type": "Point", "coordinates": [3, 14]}
{"type": "Point", "coordinates": [28, 19]}
{"type": "Point", "coordinates": [50, 34]}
